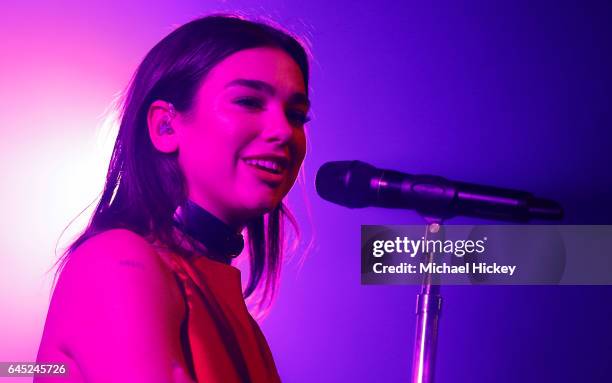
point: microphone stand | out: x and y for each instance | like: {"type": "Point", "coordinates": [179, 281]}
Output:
{"type": "Point", "coordinates": [428, 308]}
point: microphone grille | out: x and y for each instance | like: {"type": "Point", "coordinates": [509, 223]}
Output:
{"type": "Point", "coordinates": [346, 183]}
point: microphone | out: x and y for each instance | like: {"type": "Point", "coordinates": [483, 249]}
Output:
{"type": "Point", "coordinates": [356, 184]}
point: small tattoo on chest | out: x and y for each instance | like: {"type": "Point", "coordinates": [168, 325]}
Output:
{"type": "Point", "coordinates": [131, 263]}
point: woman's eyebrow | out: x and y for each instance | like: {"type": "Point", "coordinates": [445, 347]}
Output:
{"type": "Point", "coordinates": [296, 98]}
{"type": "Point", "coordinates": [253, 84]}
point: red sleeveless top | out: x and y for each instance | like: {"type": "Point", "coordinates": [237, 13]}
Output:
{"type": "Point", "coordinates": [221, 340]}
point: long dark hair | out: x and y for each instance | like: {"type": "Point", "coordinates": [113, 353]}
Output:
{"type": "Point", "coordinates": [144, 186]}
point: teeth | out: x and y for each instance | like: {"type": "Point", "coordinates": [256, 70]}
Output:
{"type": "Point", "coordinates": [266, 164]}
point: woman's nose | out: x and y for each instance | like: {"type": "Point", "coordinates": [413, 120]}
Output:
{"type": "Point", "coordinates": [278, 127]}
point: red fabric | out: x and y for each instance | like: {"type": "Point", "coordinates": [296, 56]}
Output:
{"type": "Point", "coordinates": [227, 344]}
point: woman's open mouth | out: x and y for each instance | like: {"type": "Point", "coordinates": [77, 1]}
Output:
{"type": "Point", "coordinates": [269, 170]}
{"type": "Point", "coordinates": [272, 166]}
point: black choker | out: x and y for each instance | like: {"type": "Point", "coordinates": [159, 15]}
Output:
{"type": "Point", "coordinates": [224, 242]}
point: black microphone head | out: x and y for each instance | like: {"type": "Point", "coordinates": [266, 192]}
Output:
{"type": "Point", "coordinates": [346, 183]}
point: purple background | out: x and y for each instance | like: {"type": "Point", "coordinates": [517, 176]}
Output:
{"type": "Point", "coordinates": [510, 95]}
{"type": "Point", "coordinates": [513, 95]}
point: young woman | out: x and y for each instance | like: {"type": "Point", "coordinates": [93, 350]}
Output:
{"type": "Point", "coordinates": [211, 140]}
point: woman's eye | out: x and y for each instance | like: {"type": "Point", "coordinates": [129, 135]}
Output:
{"type": "Point", "coordinates": [249, 102]}
{"type": "Point", "coordinates": [298, 117]}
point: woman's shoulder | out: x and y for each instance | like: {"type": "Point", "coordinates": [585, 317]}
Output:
{"type": "Point", "coordinates": [115, 242]}
{"type": "Point", "coordinates": [114, 297]}
{"type": "Point", "coordinates": [119, 269]}
{"type": "Point", "coordinates": [112, 252]}
{"type": "Point", "coordinates": [117, 256]}
{"type": "Point", "coordinates": [117, 247]}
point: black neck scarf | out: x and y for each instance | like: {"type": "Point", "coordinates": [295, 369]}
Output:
{"type": "Point", "coordinates": [223, 241]}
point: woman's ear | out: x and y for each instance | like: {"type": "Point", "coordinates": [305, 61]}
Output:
{"type": "Point", "coordinates": [161, 121]}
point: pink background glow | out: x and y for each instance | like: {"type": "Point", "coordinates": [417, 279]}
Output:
{"type": "Point", "coordinates": [63, 64]}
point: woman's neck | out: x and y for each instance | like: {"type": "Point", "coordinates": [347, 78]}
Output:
{"type": "Point", "coordinates": [218, 240]}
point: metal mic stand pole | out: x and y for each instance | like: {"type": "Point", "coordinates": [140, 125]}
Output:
{"type": "Point", "coordinates": [428, 307]}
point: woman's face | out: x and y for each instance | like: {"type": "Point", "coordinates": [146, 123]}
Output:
{"type": "Point", "coordinates": [242, 144]}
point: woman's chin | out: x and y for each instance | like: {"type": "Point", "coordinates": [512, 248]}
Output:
{"type": "Point", "coordinates": [262, 206]}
